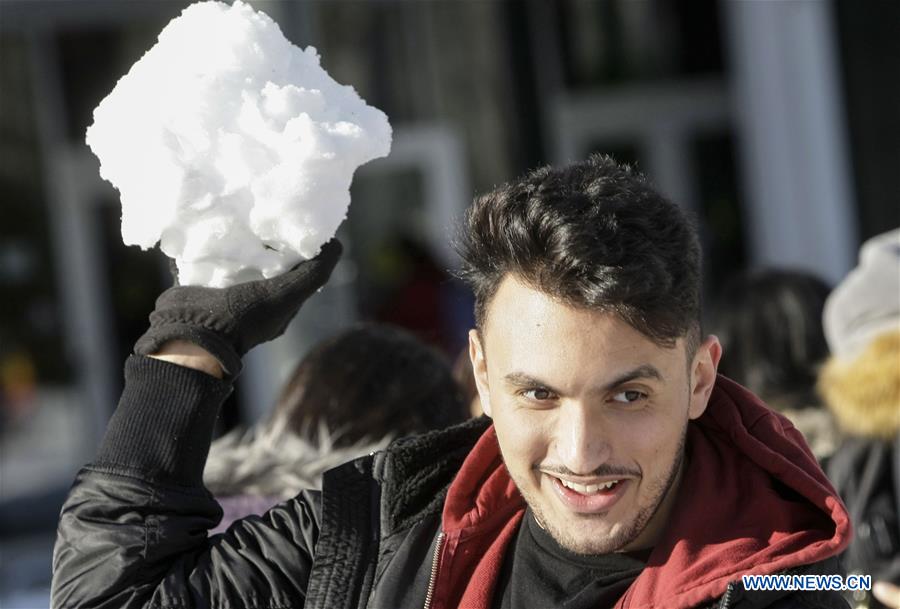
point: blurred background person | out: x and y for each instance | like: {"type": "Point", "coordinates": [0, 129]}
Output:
{"type": "Point", "coordinates": [770, 325]}
{"type": "Point", "coordinates": [861, 385]}
{"type": "Point", "coordinates": [350, 396]}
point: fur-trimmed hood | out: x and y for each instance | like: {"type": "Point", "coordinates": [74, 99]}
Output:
{"type": "Point", "coordinates": [272, 462]}
{"type": "Point", "coordinates": [864, 393]}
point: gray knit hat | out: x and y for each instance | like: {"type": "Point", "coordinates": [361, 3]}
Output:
{"type": "Point", "coordinates": [867, 302]}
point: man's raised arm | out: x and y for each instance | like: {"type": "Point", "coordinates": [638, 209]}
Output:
{"type": "Point", "coordinates": [133, 531]}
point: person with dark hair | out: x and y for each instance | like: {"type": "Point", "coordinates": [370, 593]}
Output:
{"type": "Point", "coordinates": [350, 396]}
{"type": "Point", "coordinates": [613, 468]}
{"type": "Point", "coordinates": [769, 324]}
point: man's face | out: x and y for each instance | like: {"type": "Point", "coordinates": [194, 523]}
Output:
{"type": "Point", "coordinates": [590, 415]}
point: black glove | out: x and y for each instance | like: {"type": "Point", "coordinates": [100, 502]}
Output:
{"type": "Point", "coordinates": [228, 322]}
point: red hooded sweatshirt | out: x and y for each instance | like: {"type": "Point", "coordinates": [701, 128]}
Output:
{"type": "Point", "coordinates": [729, 520]}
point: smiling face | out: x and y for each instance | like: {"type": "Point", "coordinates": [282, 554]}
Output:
{"type": "Point", "coordinates": [590, 415]}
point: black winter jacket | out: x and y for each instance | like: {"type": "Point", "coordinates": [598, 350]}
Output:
{"type": "Point", "coordinates": [133, 532]}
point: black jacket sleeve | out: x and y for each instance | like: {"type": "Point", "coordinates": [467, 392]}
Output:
{"type": "Point", "coordinates": [133, 531]}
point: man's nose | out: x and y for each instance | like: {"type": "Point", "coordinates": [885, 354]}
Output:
{"type": "Point", "coordinates": [581, 438]}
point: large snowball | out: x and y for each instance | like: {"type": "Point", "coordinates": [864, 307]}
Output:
{"type": "Point", "coordinates": [232, 147]}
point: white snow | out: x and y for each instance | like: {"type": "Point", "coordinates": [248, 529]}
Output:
{"type": "Point", "coordinates": [232, 147]}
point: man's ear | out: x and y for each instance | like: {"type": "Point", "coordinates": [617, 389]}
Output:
{"type": "Point", "coordinates": [704, 368]}
{"type": "Point", "coordinates": [479, 369]}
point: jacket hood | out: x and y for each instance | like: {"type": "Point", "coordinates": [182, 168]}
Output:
{"type": "Point", "coordinates": [864, 392]}
{"type": "Point", "coordinates": [752, 500]}
{"type": "Point", "coordinates": [274, 463]}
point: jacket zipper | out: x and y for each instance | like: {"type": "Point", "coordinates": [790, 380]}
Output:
{"type": "Point", "coordinates": [434, 568]}
{"type": "Point", "coordinates": [726, 598]}
{"type": "Point", "coordinates": [729, 590]}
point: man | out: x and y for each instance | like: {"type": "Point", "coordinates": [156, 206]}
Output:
{"type": "Point", "coordinates": [619, 471]}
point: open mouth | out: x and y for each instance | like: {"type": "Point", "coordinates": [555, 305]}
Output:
{"type": "Point", "coordinates": [588, 489]}
{"type": "Point", "coordinates": [589, 498]}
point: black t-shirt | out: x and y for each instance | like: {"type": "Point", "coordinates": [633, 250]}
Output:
{"type": "Point", "coordinates": [539, 573]}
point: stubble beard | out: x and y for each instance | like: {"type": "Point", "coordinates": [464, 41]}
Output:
{"type": "Point", "coordinates": [626, 532]}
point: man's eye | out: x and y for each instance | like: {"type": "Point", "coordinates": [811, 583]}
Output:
{"type": "Point", "coordinates": [539, 394]}
{"type": "Point", "coordinates": [629, 396]}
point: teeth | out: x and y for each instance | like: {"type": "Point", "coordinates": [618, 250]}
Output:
{"type": "Point", "coordinates": [588, 489]}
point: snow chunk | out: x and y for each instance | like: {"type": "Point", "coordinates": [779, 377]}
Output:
{"type": "Point", "coordinates": [232, 147]}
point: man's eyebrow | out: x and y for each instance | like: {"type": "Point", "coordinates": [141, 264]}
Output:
{"type": "Point", "coordinates": [522, 380]}
{"type": "Point", "coordinates": [646, 371]}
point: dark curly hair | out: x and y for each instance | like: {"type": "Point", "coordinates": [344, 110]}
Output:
{"type": "Point", "coordinates": [371, 381]}
{"type": "Point", "coordinates": [769, 322]}
{"type": "Point", "coordinates": [596, 235]}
